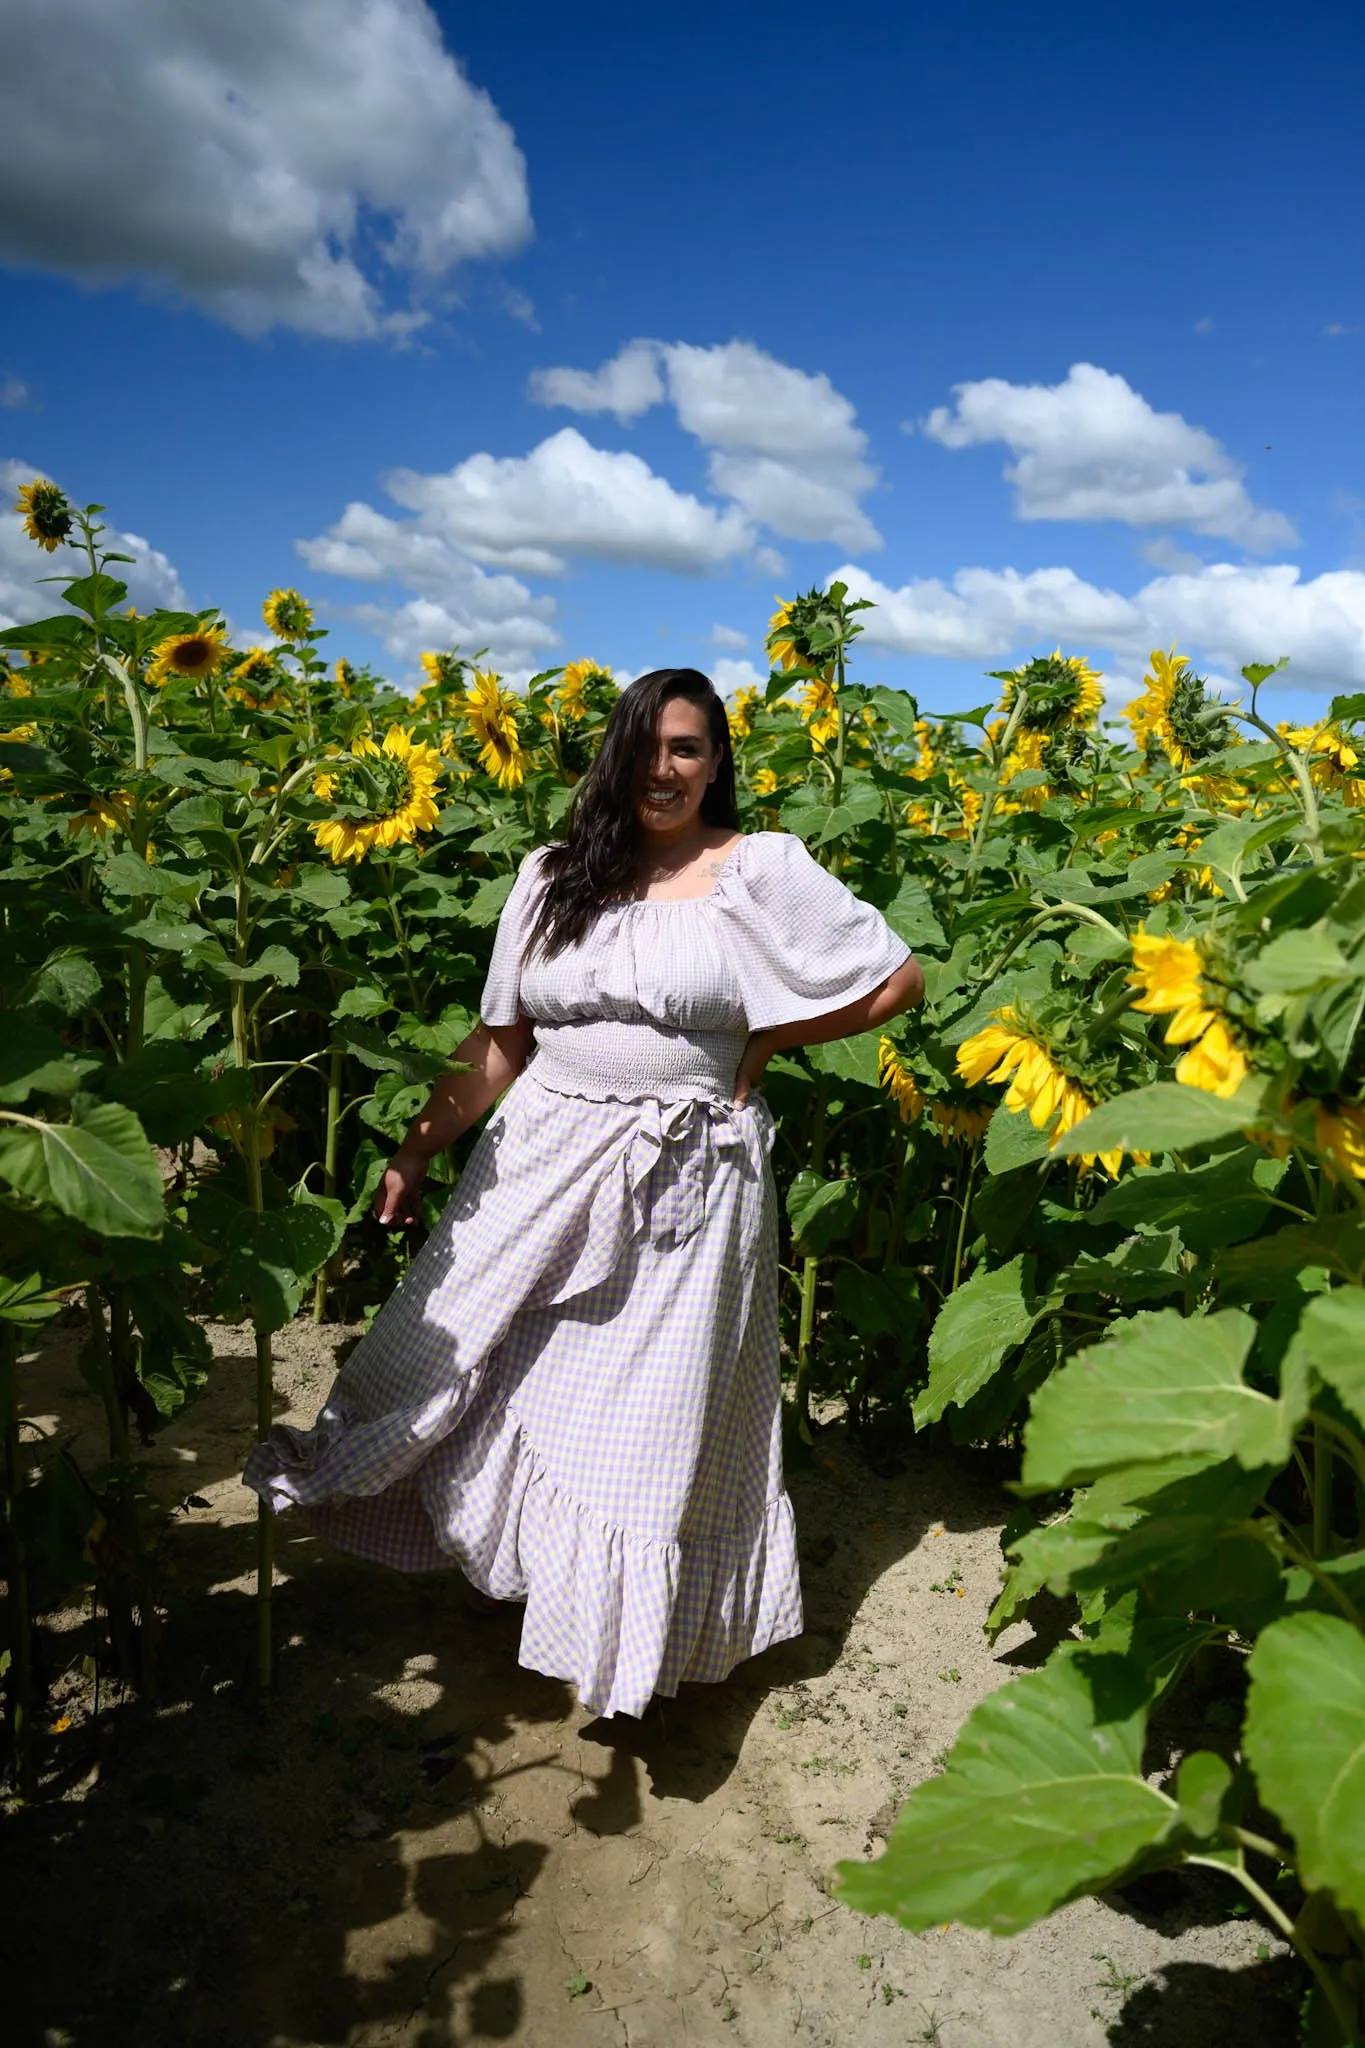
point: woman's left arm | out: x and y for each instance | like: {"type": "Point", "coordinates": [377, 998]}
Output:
{"type": "Point", "coordinates": [900, 991]}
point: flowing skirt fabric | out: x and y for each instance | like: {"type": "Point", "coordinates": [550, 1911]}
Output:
{"type": "Point", "coordinates": [574, 1395]}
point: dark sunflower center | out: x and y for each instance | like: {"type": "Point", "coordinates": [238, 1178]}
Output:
{"type": "Point", "coordinates": [1200, 728]}
{"type": "Point", "coordinates": [1053, 688]}
{"type": "Point", "coordinates": [1067, 756]}
{"type": "Point", "coordinates": [377, 785]}
{"type": "Point", "coordinates": [48, 511]}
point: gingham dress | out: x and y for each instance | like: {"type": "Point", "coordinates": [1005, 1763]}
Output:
{"type": "Point", "coordinates": [574, 1395]}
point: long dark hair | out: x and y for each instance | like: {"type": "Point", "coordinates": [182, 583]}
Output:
{"type": "Point", "coordinates": [595, 864]}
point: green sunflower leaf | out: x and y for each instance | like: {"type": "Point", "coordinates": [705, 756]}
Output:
{"type": "Point", "coordinates": [1043, 1799]}
{"type": "Point", "coordinates": [1305, 1740]}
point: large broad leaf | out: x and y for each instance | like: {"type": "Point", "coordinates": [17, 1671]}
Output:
{"type": "Point", "coordinates": [976, 1329]}
{"type": "Point", "coordinates": [910, 914]}
{"type": "Point", "coordinates": [1265, 1269]}
{"type": "Point", "coordinates": [851, 1059]}
{"type": "Point", "coordinates": [1296, 963]}
{"type": "Point", "coordinates": [27, 1301]}
{"type": "Point", "coordinates": [1163, 1118]}
{"type": "Point", "coordinates": [100, 1171]}
{"type": "Point", "coordinates": [1043, 1799]}
{"type": "Point", "coordinates": [1331, 1340]}
{"type": "Point", "coordinates": [68, 982]}
{"type": "Point", "coordinates": [1305, 1740]}
{"type": "Point", "coordinates": [820, 1211]}
{"type": "Point", "coordinates": [34, 1061]}
{"type": "Point", "coordinates": [817, 822]}
{"type": "Point", "coordinates": [1144, 1269]}
{"type": "Point", "coordinates": [170, 1094]}
{"type": "Point", "coordinates": [485, 905]}
{"type": "Point", "coordinates": [1012, 1140]}
{"type": "Point", "coordinates": [269, 1258]}
{"type": "Point", "coordinates": [1217, 1204]}
{"type": "Point", "coordinates": [274, 963]}
{"type": "Point", "coordinates": [378, 1050]}
{"type": "Point", "coordinates": [1161, 1386]}
{"type": "Point", "coordinates": [127, 874]}
{"type": "Point", "coordinates": [881, 1304]}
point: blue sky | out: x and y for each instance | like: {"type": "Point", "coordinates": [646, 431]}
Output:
{"type": "Point", "coordinates": [263, 265]}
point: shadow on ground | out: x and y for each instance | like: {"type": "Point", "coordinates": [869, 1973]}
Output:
{"type": "Point", "coordinates": [347, 1868]}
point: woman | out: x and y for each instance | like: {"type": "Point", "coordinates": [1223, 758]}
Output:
{"type": "Point", "coordinates": [574, 1394]}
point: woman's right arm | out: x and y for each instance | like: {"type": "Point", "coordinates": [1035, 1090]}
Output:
{"type": "Point", "coordinates": [495, 1054]}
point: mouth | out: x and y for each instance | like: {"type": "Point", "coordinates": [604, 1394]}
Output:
{"type": "Point", "coordinates": [660, 798]}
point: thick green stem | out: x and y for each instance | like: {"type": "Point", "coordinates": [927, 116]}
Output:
{"type": "Point", "coordinates": [1322, 1490]}
{"type": "Point", "coordinates": [896, 1223]}
{"type": "Point", "coordinates": [810, 1278]}
{"type": "Point", "coordinates": [335, 1068]}
{"type": "Point", "coordinates": [1017, 710]}
{"type": "Point", "coordinates": [20, 1689]}
{"type": "Point", "coordinates": [805, 1346]}
{"type": "Point", "coordinates": [1280, 1920]}
{"type": "Point", "coordinates": [964, 1209]}
{"type": "Point", "coordinates": [841, 735]}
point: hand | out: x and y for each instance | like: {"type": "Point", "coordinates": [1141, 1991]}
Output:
{"type": "Point", "coordinates": [749, 1076]}
{"type": "Point", "coordinates": [398, 1198]}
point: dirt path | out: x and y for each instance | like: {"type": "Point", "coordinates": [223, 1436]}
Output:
{"type": "Point", "coordinates": [425, 1845]}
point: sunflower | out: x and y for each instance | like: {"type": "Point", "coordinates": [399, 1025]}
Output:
{"type": "Point", "coordinates": [741, 711]}
{"type": "Point", "coordinates": [926, 759]}
{"type": "Point", "coordinates": [196, 654]}
{"type": "Point", "coordinates": [1175, 716]}
{"type": "Point", "coordinates": [256, 681]}
{"type": "Point", "coordinates": [102, 816]}
{"type": "Point", "coordinates": [491, 712]}
{"type": "Point", "coordinates": [1170, 974]}
{"type": "Point", "coordinates": [898, 1081]}
{"type": "Point", "coordinates": [820, 711]}
{"type": "Point", "coordinates": [445, 674]}
{"type": "Point", "coordinates": [957, 1124]}
{"type": "Point", "coordinates": [1008, 1051]}
{"type": "Point", "coordinates": [1333, 758]}
{"type": "Point", "coordinates": [1062, 690]}
{"type": "Point", "coordinates": [288, 616]}
{"type": "Point", "coordinates": [568, 694]}
{"type": "Point", "coordinates": [1215, 1062]}
{"type": "Point", "coordinates": [1026, 757]}
{"type": "Point", "coordinates": [1340, 1137]}
{"type": "Point", "coordinates": [765, 782]}
{"type": "Point", "coordinates": [47, 517]}
{"type": "Point", "coordinates": [789, 631]}
{"type": "Point", "coordinates": [388, 790]}
{"type": "Point", "coordinates": [346, 677]}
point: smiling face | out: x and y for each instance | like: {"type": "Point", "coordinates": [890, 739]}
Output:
{"type": "Point", "coordinates": [682, 766]}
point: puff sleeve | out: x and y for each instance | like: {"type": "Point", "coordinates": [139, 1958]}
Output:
{"type": "Point", "coordinates": [500, 1002]}
{"type": "Point", "coordinates": [802, 943]}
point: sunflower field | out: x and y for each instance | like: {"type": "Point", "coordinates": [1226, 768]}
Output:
{"type": "Point", "coordinates": [1101, 1203]}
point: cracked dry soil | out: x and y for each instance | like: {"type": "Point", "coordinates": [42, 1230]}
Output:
{"type": "Point", "coordinates": [424, 1845]}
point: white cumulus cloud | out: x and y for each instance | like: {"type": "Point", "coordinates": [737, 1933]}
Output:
{"type": "Point", "coordinates": [455, 602]}
{"type": "Point", "coordinates": [531, 513]}
{"type": "Point", "coordinates": [729, 675]}
{"type": "Point", "coordinates": [151, 578]}
{"type": "Point", "coordinates": [1223, 615]}
{"type": "Point", "coordinates": [782, 443]}
{"type": "Point", "coordinates": [1092, 448]}
{"type": "Point", "coordinates": [627, 386]}
{"type": "Point", "coordinates": [731, 637]}
{"type": "Point", "coordinates": [277, 164]}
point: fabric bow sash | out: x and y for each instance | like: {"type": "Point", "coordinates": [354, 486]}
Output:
{"type": "Point", "coordinates": [655, 1186]}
